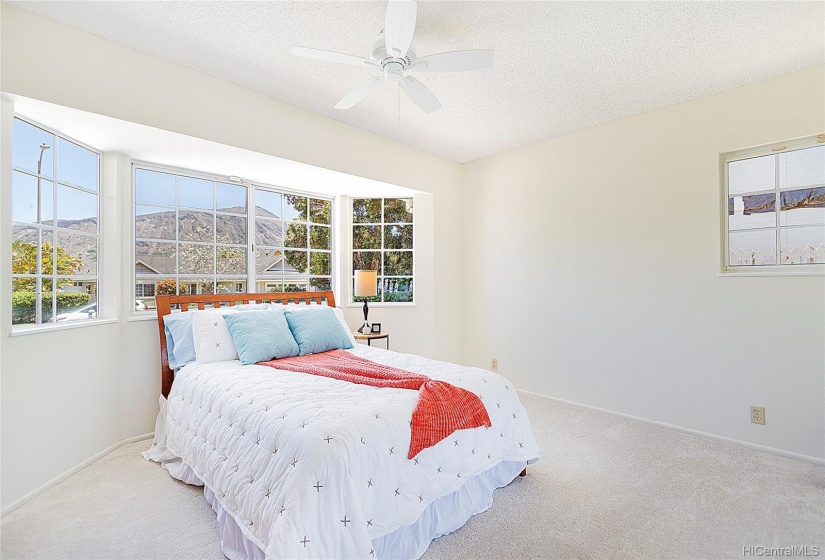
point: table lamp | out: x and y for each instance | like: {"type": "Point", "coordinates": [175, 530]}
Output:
{"type": "Point", "coordinates": [366, 285]}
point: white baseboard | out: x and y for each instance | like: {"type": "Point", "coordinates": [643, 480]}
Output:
{"type": "Point", "coordinates": [60, 478]}
{"type": "Point", "coordinates": [697, 433]}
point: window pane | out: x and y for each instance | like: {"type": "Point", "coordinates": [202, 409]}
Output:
{"type": "Point", "coordinates": [76, 165]}
{"type": "Point", "coordinates": [23, 250]}
{"type": "Point", "coordinates": [147, 287]}
{"type": "Point", "coordinates": [319, 237]}
{"type": "Point", "coordinates": [269, 232]}
{"type": "Point", "coordinates": [399, 237]}
{"type": "Point", "coordinates": [76, 209]}
{"type": "Point", "coordinates": [366, 237]}
{"type": "Point", "coordinates": [76, 301]}
{"type": "Point", "coordinates": [154, 187]}
{"type": "Point", "coordinates": [196, 286]}
{"type": "Point", "coordinates": [196, 259]}
{"type": "Point", "coordinates": [195, 193]}
{"type": "Point", "coordinates": [320, 211]}
{"type": "Point", "coordinates": [235, 286]}
{"type": "Point", "coordinates": [802, 168]}
{"type": "Point", "coordinates": [23, 197]}
{"type": "Point", "coordinates": [295, 271]}
{"type": "Point", "coordinates": [366, 210]}
{"type": "Point", "coordinates": [267, 204]}
{"type": "Point", "coordinates": [752, 211]}
{"type": "Point", "coordinates": [46, 202]}
{"type": "Point", "coordinates": [803, 207]}
{"type": "Point", "coordinates": [155, 258]}
{"type": "Point", "coordinates": [76, 253]}
{"type": "Point", "coordinates": [27, 153]}
{"type": "Point", "coordinates": [154, 223]}
{"type": "Point", "coordinates": [803, 245]}
{"type": "Point", "coordinates": [295, 208]}
{"type": "Point", "coordinates": [231, 198]}
{"type": "Point", "coordinates": [195, 226]}
{"type": "Point", "coordinates": [395, 210]}
{"type": "Point", "coordinates": [397, 289]}
{"type": "Point", "coordinates": [752, 248]}
{"type": "Point", "coordinates": [320, 284]}
{"type": "Point", "coordinates": [319, 264]}
{"type": "Point", "coordinates": [231, 260]}
{"type": "Point", "coordinates": [296, 235]}
{"type": "Point", "coordinates": [267, 285]}
{"type": "Point", "coordinates": [65, 265]}
{"type": "Point", "coordinates": [269, 262]}
{"type": "Point", "coordinates": [754, 174]}
{"type": "Point", "coordinates": [398, 263]}
{"type": "Point", "coordinates": [364, 260]}
{"type": "Point", "coordinates": [231, 229]}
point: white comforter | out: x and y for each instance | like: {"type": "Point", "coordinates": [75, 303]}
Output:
{"type": "Point", "coordinates": [312, 467]}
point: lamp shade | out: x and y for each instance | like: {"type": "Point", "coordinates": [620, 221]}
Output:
{"type": "Point", "coordinates": [366, 283]}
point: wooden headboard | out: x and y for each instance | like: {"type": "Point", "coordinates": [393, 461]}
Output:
{"type": "Point", "coordinates": [165, 303]}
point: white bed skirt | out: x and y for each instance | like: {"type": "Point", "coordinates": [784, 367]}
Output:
{"type": "Point", "coordinates": [442, 516]}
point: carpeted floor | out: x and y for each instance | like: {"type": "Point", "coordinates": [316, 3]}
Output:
{"type": "Point", "coordinates": [605, 488]}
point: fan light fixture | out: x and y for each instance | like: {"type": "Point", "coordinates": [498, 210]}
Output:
{"type": "Point", "coordinates": [393, 56]}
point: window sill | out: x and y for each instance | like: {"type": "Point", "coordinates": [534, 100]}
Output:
{"type": "Point", "coordinates": [786, 271]}
{"type": "Point", "coordinates": [56, 327]}
{"type": "Point", "coordinates": [377, 304]}
{"type": "Point", "coordinates": [148, 317]}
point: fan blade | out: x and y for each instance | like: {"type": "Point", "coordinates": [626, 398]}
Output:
{"type": "Point", "coordinates": [330, 56]}
{"type": "Point", "coordinates": [420, 95]}
{"type": "Point", "coordinates": [359, 93]}
{"type": "Point", "coordinates": [455, 61]}
{"type": "Point", "coordinates": [399, 26]}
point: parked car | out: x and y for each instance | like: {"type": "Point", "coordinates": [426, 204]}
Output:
{"type": "Point", "coordinates": [80, 314]}
{"type": "Point", "coordinates": [140, 306]}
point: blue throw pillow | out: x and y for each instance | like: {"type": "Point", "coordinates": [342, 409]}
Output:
{"type": "Point", "coordinates": [260, 336]}
{"type": "Point", "coordinates": [180, 346]}
{"type": "Point", "coordinates": [317, 330]}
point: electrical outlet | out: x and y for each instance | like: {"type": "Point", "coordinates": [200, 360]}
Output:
{"type": "Point", "coordinates": [494, 364]}
{"type": "Point", "coordinates": [758, 415]}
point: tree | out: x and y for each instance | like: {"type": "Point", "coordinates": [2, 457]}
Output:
{"type": "Point", "coordinates": [24, 261]}
{"type": "Point", "coordinates": [169, 287]}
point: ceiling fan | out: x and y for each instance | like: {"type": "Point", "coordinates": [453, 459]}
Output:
{"type": "Point", "coordinates": [393, 56]}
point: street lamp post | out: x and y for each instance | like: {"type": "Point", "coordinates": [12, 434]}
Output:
{"type": "Point", "coordinates": [38, 300]}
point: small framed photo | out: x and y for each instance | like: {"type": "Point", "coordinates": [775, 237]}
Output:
{"type": "Point", "coordinates": [376, 328]}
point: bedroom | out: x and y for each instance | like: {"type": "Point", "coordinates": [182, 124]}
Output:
{"type": "Point", "coordinates": [624, 326]}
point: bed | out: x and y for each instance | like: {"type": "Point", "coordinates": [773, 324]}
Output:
{"type": "Point", "coordinates": [301, 466]}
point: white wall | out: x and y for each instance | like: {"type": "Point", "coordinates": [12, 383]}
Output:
{"type": "Point", "coordinates": [62, 403]}
{"type": "Point", "coordinates": [618, 305]}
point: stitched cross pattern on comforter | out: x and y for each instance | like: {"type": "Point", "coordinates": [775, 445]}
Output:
{"type": "Point", "coordinates": [312, 467]}
{"type": "Point", "coordinates": [442, 408]}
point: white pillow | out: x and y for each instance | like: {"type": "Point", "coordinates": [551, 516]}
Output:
{"type": "Point", "coordinates": [212, 339]}
{"type": "Point", "coordinates": [339, 313]}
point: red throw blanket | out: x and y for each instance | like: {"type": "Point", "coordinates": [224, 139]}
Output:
{"type": "Point", "coordinates": [441, 410]}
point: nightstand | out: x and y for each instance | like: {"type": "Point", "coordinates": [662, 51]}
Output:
{"type": "Point", "coordinates": [370, 337]}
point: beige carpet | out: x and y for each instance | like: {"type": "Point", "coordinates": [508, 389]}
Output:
{"type": "Point", "coordinates": [605, 488]}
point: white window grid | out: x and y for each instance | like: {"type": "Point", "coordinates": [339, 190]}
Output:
{"type": "Point", "coordinates": [381, 276]}
{"type": "Point", "coordinates": [775, 150]}
{"type": "Point", "coordinates": [54, 229]}
{"type": "Point", "coordinates": [242, 282]}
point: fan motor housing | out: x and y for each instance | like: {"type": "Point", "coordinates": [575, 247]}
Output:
{"type": "Point", "coordinates": [382, 57]}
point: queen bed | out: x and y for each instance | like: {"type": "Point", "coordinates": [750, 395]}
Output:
{"type": "Point", "coordinates": [304, 466]}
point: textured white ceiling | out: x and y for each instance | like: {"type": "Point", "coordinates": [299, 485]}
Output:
{"type": "Point", "coordinates": [559, 66]}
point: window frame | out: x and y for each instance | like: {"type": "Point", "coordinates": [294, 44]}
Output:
{"type": "Point", "coordinates": [250, 276]}
{"type": "Point", "coordinates": [101, 310]}
{"type": "Point", "coordinates": [776, 149]}
{"type": "Point", "coordinates": [351, 272]}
